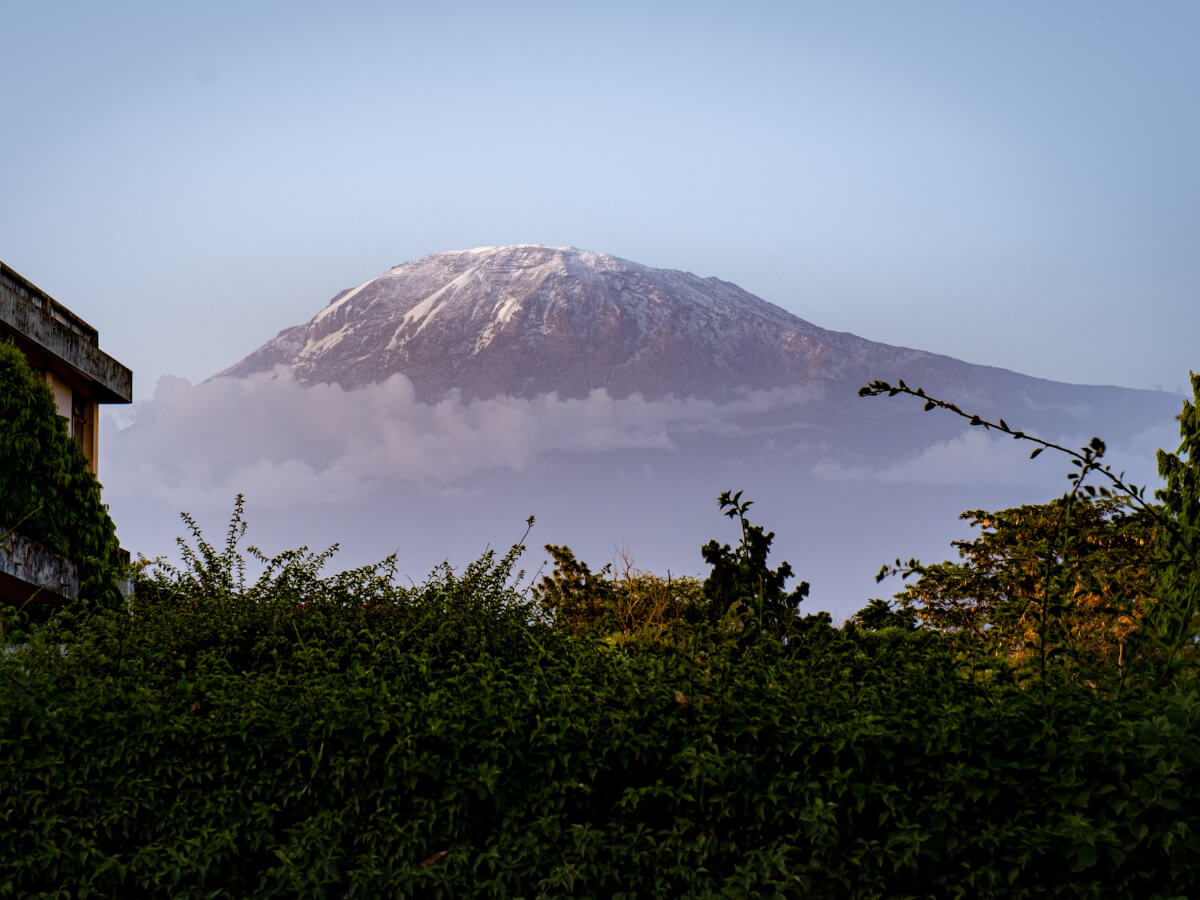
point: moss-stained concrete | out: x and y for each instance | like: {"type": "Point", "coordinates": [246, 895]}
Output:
{"type": "Point", "coordinates": [32, 316]}
{"type": "Point", "coordinates": [30, 572]}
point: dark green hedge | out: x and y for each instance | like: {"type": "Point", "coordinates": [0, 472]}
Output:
{"type": "Point", "coordinates": [346, 738]}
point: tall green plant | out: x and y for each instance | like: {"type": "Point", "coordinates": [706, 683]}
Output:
{"type": "Point", "coordinates": [1177, 615]}
{"type": "Point", "coordinates": [574, 596]}
{"type": "Point", "coordinates": [741, 579]}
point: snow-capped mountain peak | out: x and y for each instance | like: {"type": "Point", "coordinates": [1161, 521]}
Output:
{"type": "Point", "coordinates": [530, 319]}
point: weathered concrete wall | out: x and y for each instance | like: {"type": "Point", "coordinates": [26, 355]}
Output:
{"type": "Point", "coordinates": [28, 571]}
{"type": "Point", "coordinates": [37, 317]}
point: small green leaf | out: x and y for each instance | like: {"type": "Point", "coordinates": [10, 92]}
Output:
{"type": "Point", "coordinates": [1085, 857]}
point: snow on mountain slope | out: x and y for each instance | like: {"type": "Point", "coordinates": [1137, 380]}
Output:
{"type": "Point", "coordinates": [529, 319]}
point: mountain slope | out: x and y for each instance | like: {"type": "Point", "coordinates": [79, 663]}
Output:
{"type": "Point", "coordinates": [528, 319]}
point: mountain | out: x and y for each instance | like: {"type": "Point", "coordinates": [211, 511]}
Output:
{"type": "Point", "coordinates": [529, 320]}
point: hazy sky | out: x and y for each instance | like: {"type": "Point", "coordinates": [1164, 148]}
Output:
{"type": "Point", "coordinates": [1013, 184]}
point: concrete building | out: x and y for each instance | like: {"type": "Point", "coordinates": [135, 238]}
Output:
{"type": "Point", "coordinates": [65, 350]}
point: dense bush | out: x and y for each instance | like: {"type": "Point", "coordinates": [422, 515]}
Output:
{"type": "Point", "coordinates": [345, 736]}
{"type": "Point", "coordinates": [617, 606]}
{"type": "Point", "coordinates": [47, 492]}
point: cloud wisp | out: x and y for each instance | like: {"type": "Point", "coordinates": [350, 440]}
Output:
{"type": "Point", "coordinates": [284, 439]}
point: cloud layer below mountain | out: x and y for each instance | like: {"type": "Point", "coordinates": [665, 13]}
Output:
{"type": "Point", "coordinates": [326, 443]}
{"type": "Point", "coordinates": [379, 471]}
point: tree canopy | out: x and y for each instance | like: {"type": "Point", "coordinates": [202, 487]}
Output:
{"type": "Point", "coordinates": [1079, 572]}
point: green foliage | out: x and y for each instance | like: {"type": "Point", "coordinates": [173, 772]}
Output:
{"type": "Point", "coordinates": [1176, 617]}
{"type": "Point", "coordinates": [316, 736]}
{"type": "Point", "coordinates": [741, 596]}
{"type": "Point", "coordinates": [880, 614]}
{"type": "Point", "coordinates": [620, 606]}
{"type": "Point", "coordinates": [345, 736]}
{"type": "Point", "coordinates": [47, 492]}
{"type": "Point", "coordinates": [205, 608]}
{"type": "Point", "coordinates": [1077, 574]}
{"type": "Point", "coordinates": [576, 597]}
{"type": "Point", "coordinates": [1168, 629]}
{"type": "Point", "coordinates": [741, 583]}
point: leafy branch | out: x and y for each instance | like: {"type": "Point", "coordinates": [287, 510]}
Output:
{"type": "Point", "coordinates": [1173, 618]}
{"type": "Point", "coordinates": [1086, 459]}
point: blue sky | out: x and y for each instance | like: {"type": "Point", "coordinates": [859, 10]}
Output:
{"type": "Point", "coordinates": [1013, 184]}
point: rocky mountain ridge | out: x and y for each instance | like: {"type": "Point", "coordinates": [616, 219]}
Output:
{"type": "Point", "coordinates": [529, 319]}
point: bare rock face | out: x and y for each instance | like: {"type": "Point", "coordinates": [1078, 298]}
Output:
{"type": "Point", "coordinates": [528, 320]}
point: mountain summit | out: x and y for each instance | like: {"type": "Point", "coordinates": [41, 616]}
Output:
{"type": "Point", "coordinates": [528, 319]}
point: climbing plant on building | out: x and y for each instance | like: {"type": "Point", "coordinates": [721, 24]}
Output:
{"type": "Point", "coordinates": [47, 492]}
